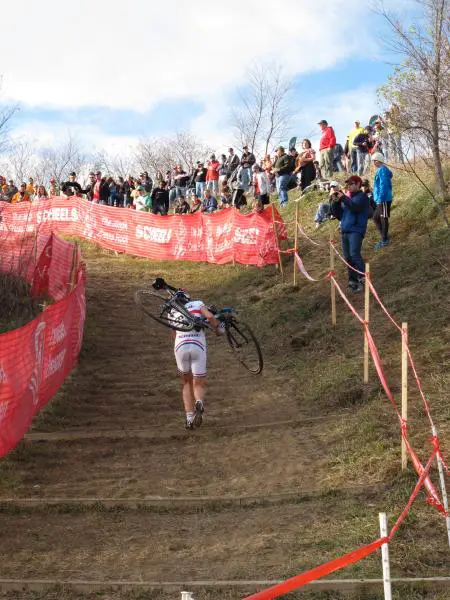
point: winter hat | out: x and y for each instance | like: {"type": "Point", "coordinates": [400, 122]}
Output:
{"type": "Point", "coordinates": [379, 157]}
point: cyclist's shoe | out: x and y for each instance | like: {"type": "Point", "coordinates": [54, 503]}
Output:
{"type": "Point", "coordinates": [199, 410]}
{"type": "Point", "coordinates": [189, 424]}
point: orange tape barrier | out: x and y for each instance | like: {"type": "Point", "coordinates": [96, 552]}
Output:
{"type": "Point", "coordinates": [220, 238]}
{"type": "Point", "coordinates": [36, 359]}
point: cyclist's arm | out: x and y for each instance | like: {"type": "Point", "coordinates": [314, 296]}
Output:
{"type": "Point", "coordinates": [207, 314]}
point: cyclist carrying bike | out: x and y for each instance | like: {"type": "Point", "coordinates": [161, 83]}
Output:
{"type": "Point", "coordinates": [191, 357]}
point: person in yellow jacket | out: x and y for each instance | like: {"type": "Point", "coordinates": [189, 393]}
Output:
{"type": "Point", "coordinates": [357, 129]}
{"type": "Point", "coordinates": [22, 195]}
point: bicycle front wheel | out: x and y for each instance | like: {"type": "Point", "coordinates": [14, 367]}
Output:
{"type": "Point", "coordinates": [157, 307]}
{"type": "Point", "coordinates": [245, 346]}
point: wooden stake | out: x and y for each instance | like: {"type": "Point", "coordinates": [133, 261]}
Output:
{"type": "Point", "coordinates": [366, 318]}
{"type": "Point", "coordinates": [404, 388]}
{"type": "Point", "coordinates": [275, 230]}
{"type": "Point", "coordinates": [295, 242]}
{"type": "Point", "coordinates": [73, 272]}
{"type": "Point", "coordinates": [333, 289]}
{"type": "Point", "coordinates": [385, 558]}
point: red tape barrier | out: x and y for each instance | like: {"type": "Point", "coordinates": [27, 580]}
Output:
{"type": "Point", "coordinates": [36, 359]}
{"type": "Point", "coordinates": [221, 237]}
{"type": "Point", "coordinates": [294, 583]}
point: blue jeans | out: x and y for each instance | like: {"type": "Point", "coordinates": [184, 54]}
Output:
{"type": "Point", "coordinates": [244, 178]}
{"type": "Point", "coordinates": [213, 185]}
{"type": "Point", "coordinates": [282, 188]}
{"type": "Point", "coordinates": [361, 159]}
{"type": "Point", "coordinates": [200, 188]}
{"type": "Point", "coordinates": [351, 247]}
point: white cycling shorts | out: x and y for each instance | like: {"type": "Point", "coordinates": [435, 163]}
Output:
{"type": "Point", "coordinates": [191, 357]}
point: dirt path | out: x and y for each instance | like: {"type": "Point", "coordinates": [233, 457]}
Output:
{"type": "Point", "coordinates": [115, 433]}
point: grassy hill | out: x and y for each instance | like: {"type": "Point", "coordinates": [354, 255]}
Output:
{"type": "Point", "coordinates": [290, 469]}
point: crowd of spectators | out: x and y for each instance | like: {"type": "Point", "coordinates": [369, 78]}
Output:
{"type": "Point", "coordinates": [221, 182]}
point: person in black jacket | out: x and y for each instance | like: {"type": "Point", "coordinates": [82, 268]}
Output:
{"type": "Point", "coordinates": [199, 177]}
{"type": "Point", "coordinates": [160, 199]}
{"type": "Point", "coordinates": [72, 187]}
{"type": "Point", "coordinates": [363, 143]}
{"type": "Point", "coordinates": [245, 172]}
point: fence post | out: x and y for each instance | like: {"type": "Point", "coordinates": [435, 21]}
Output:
{"type": "Point", "coordinates": [385, 559]}
{"type": "Point", "coordinates": [366, 319]}
{"type": "Point", "coordinates": [333, 289]}
{"type": "Point", "coordinates": [404, 389]}
{"type": "Point", "coordinates": [275, 230]}
{"type": "Point", "coordinates": [443, 487]}
{"type": "Point", "coordinates": [295, 242]}
{"type": "Point", "coordinates": [74, 269]}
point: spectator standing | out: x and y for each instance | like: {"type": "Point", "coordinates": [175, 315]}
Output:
{"type": "Point", "coordinates": [327, 144]}
{"type": "Point", "coordinates": [363, 144]}
{"type": "Point", "coordinates": [233, 163]}
{"type": "Point", "coordinates": [112, 189]}
{"type": "Point", "coordinates": [180, 181]}
{"type": "Point", "coordinates": [283, 174]}
{"type": "Point", "coordinates": [71, 186]}
{"type": "Point", "coordinates": [304, 166]}
{"type": "Point", "coordinates": [142, 200]}
{"type": "Point", "coordinates": [223, 170]}
{"type": "Point", "coordinates": [357, 129]}
{"type": "Point", "coordinates": [100, 189]}
{"type": "Point", "coordinates": [382, 196]}
{"type": "Point", "coordinates": [338, 157]}
{"type": "Point", "coordinates": [22, 195]}
{"type": "Point", "coordinates": [245, 171]}
{"type": "Point", "coordinates": [160, 199]}
{"type": "Point", "coordinates": [212, 174]}
{"type": "Point", "coordinates": [200, 179]}
{"type": "Point", "coordinates": [31, 188]}
{"type": "Point", "coordinates": [120, 191]}
{"type": "Point", "coordinates": [128, 187]}
{"type": "Point", "coordinates": [41, 193]}
{"type": "Point", "coordinates": [146, 182]}
{"type": "Point", "coordinates": [53, 189]}
{"type": "Point", "coordinates": [352, 212]}
{"type": "Point", "coordinates": [260, 185]}
{"type": "Point", "coordinates": [4, 193]}
{"type": "Point", "coordinates": [12, 189]}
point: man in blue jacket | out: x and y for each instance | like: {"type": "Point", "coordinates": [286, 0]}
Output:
{"type": "Point", "coordinates": [352, 211]}
{"type": "Point", "coordinates": [382, 195]}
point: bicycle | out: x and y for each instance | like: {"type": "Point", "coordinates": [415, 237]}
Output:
{"type": "Point", "coordinates": [169, 311]}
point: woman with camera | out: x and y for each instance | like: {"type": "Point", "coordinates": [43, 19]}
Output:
{"type": "Point", "coordinates": [352, 210]}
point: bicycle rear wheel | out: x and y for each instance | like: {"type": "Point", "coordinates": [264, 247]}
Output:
{"type": "Point", "coordinates": [245, 346]}
{"type": "Point", "coordinates": [157, 307]}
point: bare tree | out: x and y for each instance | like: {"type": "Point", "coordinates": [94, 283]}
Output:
{"type": "Point", "coordinates": [6, 113]}
{"type": "Point", "coordinates": [162, 154]}
{"type": "Point", "coordinates": [420, 88]}
{"type": "Point", "coordinates": [20, 162]}
{"type": "Point", "coordinates": [262, 113]}
{"type": "Point", "coordinates": [58, 161]}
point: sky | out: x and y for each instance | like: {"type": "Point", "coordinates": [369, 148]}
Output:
{"type": "Point", "coordinates": [112, 73]}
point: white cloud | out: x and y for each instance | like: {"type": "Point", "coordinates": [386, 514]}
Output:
{"type": "Point", "coordinates": [134, 54]}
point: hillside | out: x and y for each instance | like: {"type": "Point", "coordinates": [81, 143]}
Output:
{"type": "Point", "coordinates": [291, 467]}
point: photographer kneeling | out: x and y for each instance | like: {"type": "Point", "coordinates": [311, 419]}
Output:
{"type": "Point", "coordinates": [352, 211]}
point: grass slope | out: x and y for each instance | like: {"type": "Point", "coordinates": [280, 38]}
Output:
{"type": "Point", "coordinates": [351, 452]}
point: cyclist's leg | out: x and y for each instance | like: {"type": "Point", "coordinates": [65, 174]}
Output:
{"type": "Point", "coordinates": [188, 393]}
{"type": "Point", "coordinates": [183, 358]}
{"type": "Point", "coordinates": [199, 372]}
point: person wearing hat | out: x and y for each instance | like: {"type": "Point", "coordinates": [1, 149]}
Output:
{"type": "Point", "coordinates": [142, 200]}
{"type": "Point", "coordinates": [244, 175]}
{"type": "Point", "coordinates": [233, 163]}
{"type": "Point", "coordinates": [352, 210]}
{"type": "Point", "coordinates": [71, 187]}
{"type": "Point", "coordinates": [283, 172]}
{"type": "Point", "coordinates": [326, 147]}
{"type": "Point", "coordinates": [199, 177]}
{"type": "Point", "coordinates": [382, 196]}
{"type": "Point", "coordinates": [363, 143]}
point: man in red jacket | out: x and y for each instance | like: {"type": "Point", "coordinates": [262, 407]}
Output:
{"type": "Point", "coordinates": [327, 144]}
{"type": "Point", "coordinates": [212, 175]}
